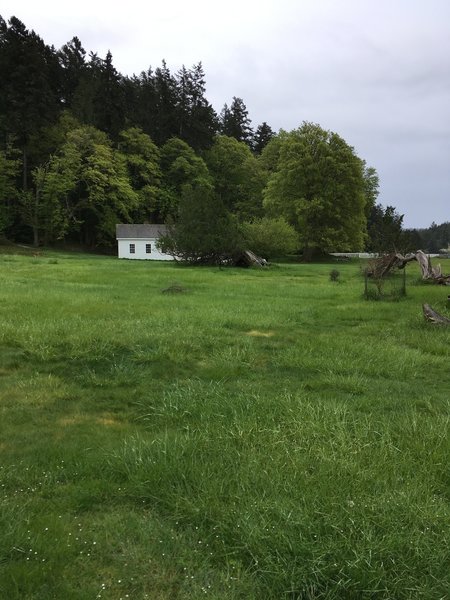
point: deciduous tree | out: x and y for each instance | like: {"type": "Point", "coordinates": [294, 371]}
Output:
{"type": "Point", "coordinates": [318, 186]}
{"type": "Point", "coordinates": [142, 159]}
{"type": "Point", "coordinates": [239, 178]}
{"type": "Point", "coordinates": [180, 166]}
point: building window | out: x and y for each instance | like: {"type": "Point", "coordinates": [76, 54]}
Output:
{"type": "Point", "coordinates": [132, 248]}
{"type": "Point", "coordinates": [148, 248]}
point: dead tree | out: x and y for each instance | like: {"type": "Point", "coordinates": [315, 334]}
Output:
{"type": "Point", "coordinates": [380, 267]}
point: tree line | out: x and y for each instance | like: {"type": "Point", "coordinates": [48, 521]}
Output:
{"type": "Point", "coordinates": [83, 147]}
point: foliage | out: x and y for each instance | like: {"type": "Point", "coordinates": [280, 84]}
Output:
{"type": "Point", "coordinates": [28, 72]}
{"type": "Point", "coordinates": [142, 159]}
{"type": "Point", "coordinates": [270, 237]}
{"type": "Point", "coordinates": [9, 168]}
{"type": "Point", "coordinates": [238, 176]}
{"type": "Point", "coordinates": [159, 131]}
{"type": "Point", "coordinates": [334, 275]}
{"type": "Point", "coordinates": [436, 237]}
{"type": "Point", "coordinates": [90, 180]}
{"type": "Point", "coordinates": [235, 122]}
{"type": "Point", "coordinates": [180, 166]}
{"type": "Point", "coordinates": [384, 228]}
{"type": "Point", "coordinates": [371, 187]}
{"type": "Point", "coordinates": [262, 136]}
{"type": "Point", "coordinates": [318, 186]}
{"type": "Point", "coordinates": [196, 119]}
{"type": "Point", "coordinates": [205, 232]}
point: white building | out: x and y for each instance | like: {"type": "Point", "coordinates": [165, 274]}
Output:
{"type": "Point", "coordinates": [139, 241]}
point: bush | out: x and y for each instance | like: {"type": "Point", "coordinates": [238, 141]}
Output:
{"type": "Point", "coordinates": [334, 275]}
{"type": "Point", "coordinates": [270, 237]}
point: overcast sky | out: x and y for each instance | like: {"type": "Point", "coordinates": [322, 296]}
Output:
{"type": "Point", "coordinates": [376, 72]}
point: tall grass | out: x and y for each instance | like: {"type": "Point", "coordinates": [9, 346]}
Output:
{"type": "Point", "coordinates": [265, 434]}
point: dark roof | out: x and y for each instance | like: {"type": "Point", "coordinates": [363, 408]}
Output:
{"type": "Point", "coordinates": [140, 231]}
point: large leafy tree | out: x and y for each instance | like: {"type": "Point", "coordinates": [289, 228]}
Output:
{"type": "Point", "coordinates": [318, 185]}
{"type": "Point", "coordinates": [142, 159]}
{"type": "Point", "coordinates": [239, 178]}
{"type": "Point", "coordinates": [90, 180]}
{"type": "Point", "coordinates": [180, 166]}
{"type": "Point", "coordinates": [41, 210]}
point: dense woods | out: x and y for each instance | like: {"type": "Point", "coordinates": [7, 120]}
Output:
{"type": "Point", "coordinates": [83, 147]}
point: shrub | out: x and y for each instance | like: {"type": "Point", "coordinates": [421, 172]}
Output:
{"type": "Point", "coordinates": [270, 237]}
{"type": "Point", "coordinates": [334, 275]}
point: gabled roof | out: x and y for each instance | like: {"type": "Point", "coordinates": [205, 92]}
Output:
{"type": "Point", "coordinates": [140, 231]}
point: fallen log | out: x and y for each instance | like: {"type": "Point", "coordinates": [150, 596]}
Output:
{"type": "Point", "coordinates": [249, 259]}
{"type": "Point", "coordinates": [434, 317]}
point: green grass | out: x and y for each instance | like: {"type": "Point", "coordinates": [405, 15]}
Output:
{"type": "Point", "coordinates": [262, 435]}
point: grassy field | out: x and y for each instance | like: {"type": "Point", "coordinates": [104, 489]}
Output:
{"type": "Point", "coordinates": [261, 435]}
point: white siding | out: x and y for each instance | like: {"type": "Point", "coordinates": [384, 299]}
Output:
{"type": "Point", "coordinates": [140, 247]}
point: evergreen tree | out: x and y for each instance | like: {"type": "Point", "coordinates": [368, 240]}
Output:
{"type": "Point", "coordinates": [205, 232]}
{"type": "Point", "coordinates": [29, 90]}
{"type": "Point", "coordinates": [72, 61]}
{"type": "Point", "coordinates": [436, 237]}
{"type": "Point", "coordinates": [234, 121]}
{"type": "Point", "coordinates": [384, 228]}
{"type": "Point", "coordinates": [263, 134]}
{"type": "Point", "coordinates": [197, 121]}
{"type": "Point", "coordinates": [166, 94]}
{"type": "Point", "coordinates": [108, 100]}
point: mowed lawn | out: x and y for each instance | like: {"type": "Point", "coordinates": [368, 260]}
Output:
{"type": "Point", "coordinates": [260, 435]}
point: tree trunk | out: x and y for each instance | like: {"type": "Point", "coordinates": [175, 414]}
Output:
{"type": "Point", "coordinates": [35, 236]}
{"type": "Point", "coordinates": [24, 171]}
